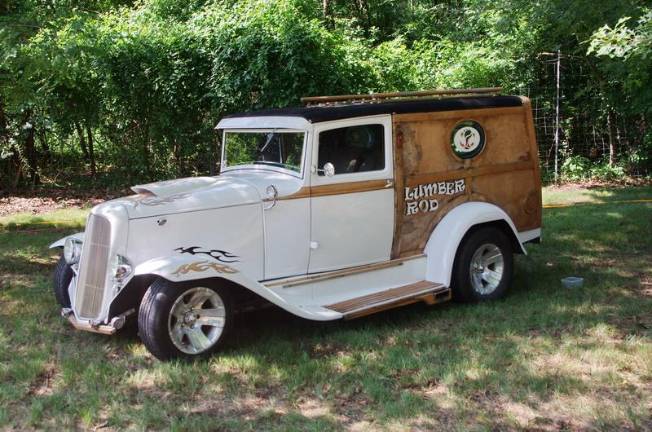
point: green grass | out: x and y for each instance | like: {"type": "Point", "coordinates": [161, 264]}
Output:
{"type": "Point", "coordinates": [63, 219]}
{"type": "Point", "coordinates": [544, 358]}
{"type": "Point", "coordinates": [571, 194]}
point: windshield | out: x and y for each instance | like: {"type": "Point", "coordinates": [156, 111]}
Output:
{"type": "Point", "coordinates": [276, 148]}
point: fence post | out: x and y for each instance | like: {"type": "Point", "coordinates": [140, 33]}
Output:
{"type": "Point", "coordinates": [557, 118]}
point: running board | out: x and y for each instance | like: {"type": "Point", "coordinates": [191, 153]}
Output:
{"type": "Point", "coordinates": [425, 291]}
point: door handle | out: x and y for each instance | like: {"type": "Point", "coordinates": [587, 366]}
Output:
{"type": "Point", "coordinates": [389, 183]}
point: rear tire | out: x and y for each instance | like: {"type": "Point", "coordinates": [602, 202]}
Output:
{"type": "Point", "coordinates": [61, 280]}
{"type": "Point", "coordinates": [483, 266]}
{"type": "Point", "coordinates": [187, 320]}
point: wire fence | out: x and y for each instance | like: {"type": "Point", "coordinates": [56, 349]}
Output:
{"type": "Point", "coordinates": [572, 122]}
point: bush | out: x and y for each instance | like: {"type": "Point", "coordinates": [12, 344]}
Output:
{"type": "Point", "coordinates": [580, 168]}
{"type": "Point", "coordinates": [576, 168]}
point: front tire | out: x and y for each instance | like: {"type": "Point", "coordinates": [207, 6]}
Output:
{"type": "Point", "coordinates": [187, 320]}
{"type": "Point", "coordinates": [61, 280]}
{"type": "Point", "coordinates": [483, 266]}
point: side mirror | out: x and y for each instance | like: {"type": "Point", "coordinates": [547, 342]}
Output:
{"type": "Point", "coordinates": [329, 169]}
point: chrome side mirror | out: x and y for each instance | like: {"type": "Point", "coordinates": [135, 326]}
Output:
{"type": "Point", "coordinates": [329, 169]}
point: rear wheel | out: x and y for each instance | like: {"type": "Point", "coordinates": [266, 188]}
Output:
{"type": "Point", "coordinates": [61, 279]}
{"type": "Point", "coordinates": [184, 320]}
{"type": "Point", "coordinates": [483, 266]}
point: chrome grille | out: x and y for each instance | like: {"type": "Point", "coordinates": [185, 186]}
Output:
{"type": "Point", "coordinates": [93, 265]}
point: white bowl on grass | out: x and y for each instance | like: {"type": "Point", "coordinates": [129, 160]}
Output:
{"type": "Point", "coordinates": [572, 282]}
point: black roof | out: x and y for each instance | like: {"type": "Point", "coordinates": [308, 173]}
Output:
{"type": "Point", "coordinates": [317, 114]}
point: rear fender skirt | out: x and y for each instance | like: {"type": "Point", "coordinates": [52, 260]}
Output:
{"type": "Point", "coordinates": [446, 237]}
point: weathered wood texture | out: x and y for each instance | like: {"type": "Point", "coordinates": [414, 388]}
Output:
{"type": "Point", "coordinates": [340, 189]}
{"type": "Point", "coordinates": [506, 173]}
{"type": "Point", "coordinates": [407, 294]}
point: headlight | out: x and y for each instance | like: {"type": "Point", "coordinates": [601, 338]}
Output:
{"type": "Point", "coordinates": [72, 250]}
{"type": "Point", "coordinates": [120, 268]}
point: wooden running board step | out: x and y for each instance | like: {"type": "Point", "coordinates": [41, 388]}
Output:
{"type": "Point", "coordinates": [425, 291]}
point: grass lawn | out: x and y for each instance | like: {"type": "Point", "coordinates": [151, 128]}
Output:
{"type": "Point", "coordinates": [544, 358]}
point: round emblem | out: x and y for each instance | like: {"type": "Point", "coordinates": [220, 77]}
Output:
{"type": "Point", "coordinates": [467, 139]}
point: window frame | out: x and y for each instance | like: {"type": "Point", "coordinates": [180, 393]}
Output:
{"type": "Point", "coordinates": [224, 163]}
{"type": "Point", "coordinates": [386, 173]}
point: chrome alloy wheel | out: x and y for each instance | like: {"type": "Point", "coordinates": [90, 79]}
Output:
{"type": "Point", "coordinates": [487, 266]}
{"type": "Point", "coordinates": [196, 320]}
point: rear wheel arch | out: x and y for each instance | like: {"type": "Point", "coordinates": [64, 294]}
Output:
{"type": "Point", "coordinates": [502, 225]}
{"type": "Point", "coordinates": [483, 265]}
{"type": "Point", "coordinates": [460, 222]}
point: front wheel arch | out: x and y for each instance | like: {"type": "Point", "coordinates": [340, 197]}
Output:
{"type": "Point", "coordinates": [131, 296]}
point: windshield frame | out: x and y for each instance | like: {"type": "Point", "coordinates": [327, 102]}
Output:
{"type": "Point", "coordinates": [224, 163]}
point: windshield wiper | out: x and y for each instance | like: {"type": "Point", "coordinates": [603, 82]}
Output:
{"type": "Point", "coordinates": [270, 137]}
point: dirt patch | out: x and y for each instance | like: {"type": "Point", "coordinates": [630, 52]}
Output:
{"type": "Point", "coordinates": [47, 199]}
{"type": "Point", "coordinates": [646, 285]}
{"type": "Point", "coordinates": [42, 385]}
{"type": "Point", "coordinates": [593, 184]}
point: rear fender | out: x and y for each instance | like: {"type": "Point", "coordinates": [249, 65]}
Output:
{"type": "Point", "coordinates": [446, 237]}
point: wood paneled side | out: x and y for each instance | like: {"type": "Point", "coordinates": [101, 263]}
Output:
{"type": "Point", "coordinates": [339, 189]}
{"type": "Point", "coordinates": [352, 187]}
{"type": "Point", "coordinates": [399, 185]}
{"type": "Point", "coordinates": [383, 296]}
{"type": "Point", "coordinates": [534, 200]}
{"type": "Point", "coordinates": [506, 173]}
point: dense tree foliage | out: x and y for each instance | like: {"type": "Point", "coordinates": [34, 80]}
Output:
{"type": "Point", "coordinates": [131, 91]}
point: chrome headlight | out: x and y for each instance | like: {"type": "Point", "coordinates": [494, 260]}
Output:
{"type": "Point", "coordinates": [120, 268]}
{"type": "Point", "coordinates": [72, 250]}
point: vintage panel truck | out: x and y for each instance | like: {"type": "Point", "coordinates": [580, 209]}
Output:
{"type": "Point", "coordinates": [341, 208]}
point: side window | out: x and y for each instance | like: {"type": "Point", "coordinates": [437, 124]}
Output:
{"type": "Point", "coordinates": [353, 149]}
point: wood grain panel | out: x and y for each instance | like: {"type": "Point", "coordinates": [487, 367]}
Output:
{"type": "Point", "coordinates": [340, 189]}
{"type": "Point", "coordinates": [370, 300]}
{"type": "Point", "coordinates": [506, 173]}
{"type": "Point", "coordinates": [304, 192]}
{"type": "Point", "coordinates": [469, 172]}
{"type": "Point", "coordinates": [433, 297]}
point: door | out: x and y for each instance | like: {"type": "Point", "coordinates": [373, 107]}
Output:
{"type": "Point", "coordinates": [352, 209]}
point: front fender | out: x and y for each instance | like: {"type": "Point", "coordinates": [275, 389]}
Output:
{"type": "Point", "coordinates": [186, 268]}
{"type": "Point", "coordinates": [59, 243]}
{"type": "Point", "coordinates": [446, 237]}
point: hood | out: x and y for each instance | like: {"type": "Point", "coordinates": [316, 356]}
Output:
{"type": "Point", "coordinates": [245, 187]}
{"type": "Point", "coordinates": [172, 187]}
{"type": "Point", "coordinates": [186, 195]}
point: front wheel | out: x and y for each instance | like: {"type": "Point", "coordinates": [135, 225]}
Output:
{"type": "Point", "coordinates": [483, 266]}
{"type": "Point", "coordinates": [61, 279]}
{"type": "Point", "coordinates": [184, 320]}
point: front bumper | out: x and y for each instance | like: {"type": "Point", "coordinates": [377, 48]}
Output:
{"type": "Point", "coordinates": [106, 329]}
